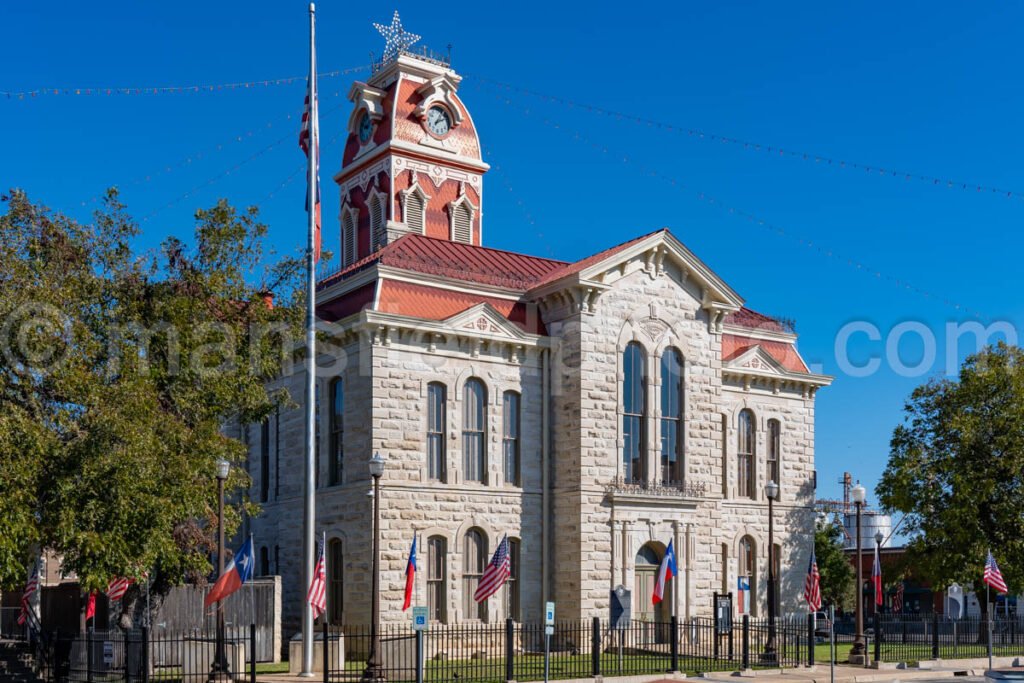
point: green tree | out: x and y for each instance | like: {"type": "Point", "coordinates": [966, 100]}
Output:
{"type": "Point", "coordinates": [837, 574]}
{"type": "Point", "coordinates": [118, 373]}
{"type": "Point", "coordinates": [956, 469]}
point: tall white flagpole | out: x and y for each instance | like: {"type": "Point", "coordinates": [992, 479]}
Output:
{"type": "Point", "coordinates": [309, 502]}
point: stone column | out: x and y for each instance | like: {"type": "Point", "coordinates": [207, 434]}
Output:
{"type": "Point", "coordinates": [625, 551]}
{"type": "Point", "coordinates": [616, 528]}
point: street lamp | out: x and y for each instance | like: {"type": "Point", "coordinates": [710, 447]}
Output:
{"type": "Point", "coordinates": [374, 670]}
{"type": "Point", "coordinates": [769, 655]}
{"type": "Point", "coordinates": [219, 670]}
{"type": "Point", "coordinates": [858, 653]}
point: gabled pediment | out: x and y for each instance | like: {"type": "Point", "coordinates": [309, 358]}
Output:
{"type": "Point", "coordinates": [758, 360]}
{"type": "Point", "coordinates": [484, 319]}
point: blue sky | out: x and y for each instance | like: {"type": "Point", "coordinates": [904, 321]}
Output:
{"type": "Point", "coordinates": [926, 88]}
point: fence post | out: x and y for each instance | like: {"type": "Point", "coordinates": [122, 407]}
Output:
{"type": "Point", "coordinates": [746, 641]}
{"type": "Point", "coordinates": [509, 649]}
{"type": "Point", "coordinates": [810, 640]}
{"type": "Point", "coordinates": [252, 653]}
{"type": "Point", "coordinates": [935, 635]}
{"type": "Point", "coordinates": [419, 656]}
{"type": "Point", "coordinates": [595, 647]}
{"type": "Point", "coordinates": [878, 637]}
{"type": "Point", "coordinates": [674, 621]}
{"type": "Point", "coordinates": [89, 653]}
{"type": "Point", "coordinates": [145, 654]}
{"type": "Point", "coordinates": [327, 653]}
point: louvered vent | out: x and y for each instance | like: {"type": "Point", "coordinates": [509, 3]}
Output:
{"type": "Point", "coordinates": [414, 212]}
{"type": "Point", "coordinates": [462, 224]}
{"type": "Point", "coordinates": [377, 222]}
{"type": "Point", "coordinates": [348, 238]}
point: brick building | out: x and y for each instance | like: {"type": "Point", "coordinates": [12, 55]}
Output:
{"type": "Point", "coordinates": [593, 411]}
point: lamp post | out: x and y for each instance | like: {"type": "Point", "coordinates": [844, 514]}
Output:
{"type": "Point", "coordinates": [879, 537]}
{"type": "Point", "coordinates": [374, 670]}
{"type": "Point", "coordinates": [858, 653]}
{"type": "Point", "coordinates": [219, 670]}
{"type": "Point", "coordinates": [769, 655]}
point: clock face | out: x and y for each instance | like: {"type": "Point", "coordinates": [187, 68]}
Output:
{"type": "Point", "coordinates": [439, 121]}
{"type": "Point", "coordinates": [365, 128]}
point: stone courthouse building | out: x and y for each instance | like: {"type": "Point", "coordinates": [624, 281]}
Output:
{"type": "Point", "coordinates": [593, 410]}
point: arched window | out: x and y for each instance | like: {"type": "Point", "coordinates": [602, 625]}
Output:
{"type": "Point", "coordinates": [378, 222]}
{"type": "Point", "coordinates": [634, 414]}
{"type": "Point", "coordinates": [474, 420]}
{"type": "Point", "coordinates": [474, 559]}
{"type": "Point", "coordinates": [265, 460]}
{"type": "Point", "coordinates": [264, 561]}
{"type": "Point", "coordinates": [415, 204]}
{"type": "Point", "coordinates": [774, 450]}
{"type": "Point", "coordinates": [437, 578]}
{"type": "Point", "coordinates": [349, 221]}
{"type": "Point", "coordinates": [337, 452]}
{"type": "Point", "coordinates": [437, 396]}
{"type": "Point", "coordinates": [510, 437]}
{"type": "Point", "coordinates": [514, 603]}
{"type": "Point", "coordinates": [746, 575]}
{"type": "Point", "coordinates": [336, 581]}
{"type": "Point", "coordinates": [673, 465]}
{"type": "Point", "coordinates": [745, 454]}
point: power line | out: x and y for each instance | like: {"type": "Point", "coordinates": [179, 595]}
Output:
{"type": "Point", "coordinates": [772, 150]}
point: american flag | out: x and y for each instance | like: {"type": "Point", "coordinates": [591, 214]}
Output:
{"type": "Point", "coordinates": [496, 574]}
{"type": "Point", "coordinates": [309, 138]}
{"type": "Point", "coordinates": [117, 587]}
{"type": "Point", "coordinates": [992, 576]}
{"type": "Point", "coordinates": [317, 595]}
{"type": "Point", "coordinates": [812, 585]}
{"type": "Point", "coordinates": [30, 588]}
{"type": "Point", "coordinates": [897, 599]}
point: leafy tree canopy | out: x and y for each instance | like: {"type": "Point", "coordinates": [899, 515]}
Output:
{"type": "Point", "coordinates": [837, 574]}
{"type": "Point", "coordinates": [119, 371]}
{"type": "Point", "coordinates": [956, 469]}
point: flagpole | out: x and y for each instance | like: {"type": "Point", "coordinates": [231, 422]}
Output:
{"type": "Point", "coordinates": [309, 502]}
{"type": "Point", "coordinates": [252, 581]}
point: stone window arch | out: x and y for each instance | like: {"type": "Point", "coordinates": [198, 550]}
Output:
{"type": "Point", "coordinates": [774, 449]}
{"type": "Point", "coordinates": [474, 430]}
{"type": "Point", "coordinates": [474, 560]}
{"type": "Point", "coordinates": [746, 453]}
{"type": "Point", "coordinates": [673, 462]}
{"type": "Point", "coordinates": [437, 411]}
{"type": "Point", "coordinates": [437, 578]}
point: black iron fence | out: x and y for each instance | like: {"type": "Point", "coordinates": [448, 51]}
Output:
{"type": "Point", "coordinates": [142, 656]}
{"type": "Point", "coordinates": [911, 638]}
{"type": "Point", "coordinates": [491, 653]}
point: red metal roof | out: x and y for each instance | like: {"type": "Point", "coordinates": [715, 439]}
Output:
{"type": "Point", "coordinates": [434, 303]}
{"type": "Point", "coordinates": [746, 317]}
{"type": "Point", "coordinates": [458, 261]}
{"type": "Point", "coordinates": [583, 264]}
{"type": "Point", "coordinates": [734, 346]}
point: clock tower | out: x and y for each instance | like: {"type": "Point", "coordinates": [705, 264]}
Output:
{"type": "Point", "coordinates": [412, 161]}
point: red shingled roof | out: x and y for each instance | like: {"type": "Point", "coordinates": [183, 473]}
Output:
{"type": "Point", "coordinates": [458, 261]}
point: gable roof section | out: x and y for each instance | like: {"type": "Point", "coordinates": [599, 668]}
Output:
{"type": "Point", "coordinates": [435, 303]}
{"type": "Point", "coordinates": [734, 346]}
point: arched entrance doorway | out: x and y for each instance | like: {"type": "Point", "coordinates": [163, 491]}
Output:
{"type": "Point", "coordinates": [645, 574]}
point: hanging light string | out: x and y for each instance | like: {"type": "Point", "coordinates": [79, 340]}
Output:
{"type": "Point", "coordinates": [752, 218]}
{"type": "Point", "coordinates": [175, 89]}
{"type": "Point", "coordinates": [772, 150]}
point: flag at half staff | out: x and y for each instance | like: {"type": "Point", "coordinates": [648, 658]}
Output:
{"type": "Point", "coordinates": [410, 575]}
{"type": "Point", "coordinates": [812, 584]}
{"type": "Point", "coordinates": [309, 142]}
{"type": "Point", "coordinates": [876, 578]}
{"type": "Point", "coordinates": [238, 571]}
{"type": "Point", "coordinates": [317, 594]}
{"type": "Point", "coordinates": [992, 576]}
{"type": "Point", "coordinates": [666, 570]}
{"type": "Point", "coordinates": [496, 573]}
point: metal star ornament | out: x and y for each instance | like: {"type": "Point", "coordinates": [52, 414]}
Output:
{"type": "Point", "coordinates": [396, 39]}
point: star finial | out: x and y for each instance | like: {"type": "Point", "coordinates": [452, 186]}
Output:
{"type": "Point", "coordinates": [396, 38]}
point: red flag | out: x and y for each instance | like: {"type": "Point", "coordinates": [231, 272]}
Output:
{"type": "Point", "coordinates": [876, 578]}
{"type": "Point", "coordinates": [410, 576]}
{"type": "Point", "coordinates": [309, 142]}
{"type": "Point", "coordinates": [90, 606]}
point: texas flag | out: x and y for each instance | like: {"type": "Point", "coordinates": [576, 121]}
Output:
{"type": "Point", "coordinates": [238, 571]}
{"type": "Point", "coordinates": [666, 571]}
{"type": "Point", "coordinates": [876, 578]}
{"type": "Point", "coordinates": [410, 576]}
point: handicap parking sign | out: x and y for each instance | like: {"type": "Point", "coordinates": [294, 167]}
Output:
{"type": "Point", "coordinates": [419, 618]}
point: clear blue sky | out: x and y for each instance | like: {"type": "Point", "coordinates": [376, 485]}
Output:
{"type": "Point", "coordinates": [929, 88]}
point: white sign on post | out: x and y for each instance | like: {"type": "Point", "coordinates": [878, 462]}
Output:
{"type": "Point", "coordinates": [549, 614]}
{"type": "Point", "coordinates": [419, 619]}
{"type": "Point", "coordinates": [108, 653]}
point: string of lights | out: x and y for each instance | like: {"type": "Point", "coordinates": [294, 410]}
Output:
{"type": "Point", "coordinates": [174, 89]}
{"type": "Point", "coordinates": [746, 215]}
{"type": "Point", "coordinates": [773, 150]}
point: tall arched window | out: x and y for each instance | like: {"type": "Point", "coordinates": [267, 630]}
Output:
{"type": "Point", "coordinates": [634, 414]}
{"type": "Point", "coordinates": [474, 421]}
{"type": "Point", "coordinates": [336, 581]}
{"type": "Point", "coordinates": [514, 602]}
{"type": "Point", "coordinates": [337, 453]}
{"type": "Point", "coordinates": [746, 576]}
{"type": "Point", "coordinates": [673, 464]}
{"type": "Point", "coordinates": [437, 396]}
{"type": "Point", "coordinates": [510, 436]}
{"type": "Point", "coordinates": [774, 450]}
{"type": "Point", "coordinates": [745, 454]}
{"type": "Point", "coordinates": [265, 460]}
{"type": "Point", "coordinates": [474, 559]}
{"type": "Point", "coordinates": [437, 578]}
